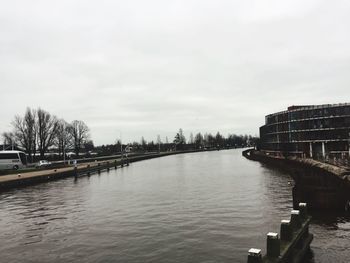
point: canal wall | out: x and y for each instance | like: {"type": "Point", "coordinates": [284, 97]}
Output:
{"type": "Point", "coordinates": [321, 185]}
{"type": "Point", "coordinates": [19, 179]}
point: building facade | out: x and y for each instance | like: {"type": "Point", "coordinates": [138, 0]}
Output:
{"type": "Point", "coordinates": [313, 131]}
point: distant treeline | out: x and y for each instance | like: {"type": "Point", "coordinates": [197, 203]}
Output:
{"type": "Point", "coordinates": [197, 141]}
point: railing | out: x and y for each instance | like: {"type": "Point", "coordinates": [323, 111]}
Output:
{"type": "Point", "coordinates": [293, 244]}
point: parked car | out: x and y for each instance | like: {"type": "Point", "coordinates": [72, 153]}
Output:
{"type": "Point", "coordinates": [43, 163]}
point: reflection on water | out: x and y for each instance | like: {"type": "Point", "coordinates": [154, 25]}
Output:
{"type": "Point", "coordinates": [332, 237]}
{"type": "Point", "coordinates": [200, 207]}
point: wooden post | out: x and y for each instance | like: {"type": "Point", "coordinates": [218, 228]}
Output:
{"type": "Point", "coordinates": [254, 255]}
{"type": "Point", "coordinates": [295, 219]}
{"type": "Point", "coordinates": [273, 245]}
{"type": "Point", "coordinates": [295, 240]}
{"type": "Point", "coordinates": [286, 230]}
{"type": "Point", "coordinates": [303, 211]}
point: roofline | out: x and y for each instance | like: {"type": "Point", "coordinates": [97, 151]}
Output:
{"type": "Point", "coordinates": [310, 107]}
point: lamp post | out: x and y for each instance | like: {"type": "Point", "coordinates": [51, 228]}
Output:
{"type": "Point", "coordinates": [121, 144]}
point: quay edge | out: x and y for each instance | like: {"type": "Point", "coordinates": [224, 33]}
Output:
{"type": "Point", "coordinates": [321, 185]}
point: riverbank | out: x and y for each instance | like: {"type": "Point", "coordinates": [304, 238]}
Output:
{"type": "Point", "coordinates": [32, 177]}
{"type": "Point", "coordinates": [341, 172]}
{"type": "Point", "coordinates": [322, 185]}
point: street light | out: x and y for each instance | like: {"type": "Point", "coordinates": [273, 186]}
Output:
{"type": "Point", "coordinates": [121, 144]}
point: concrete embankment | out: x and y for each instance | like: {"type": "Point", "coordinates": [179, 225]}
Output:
{"type": "Point", "coordinates": [321, 185]}
{"type": "Point", "coordinates": [34, 177]}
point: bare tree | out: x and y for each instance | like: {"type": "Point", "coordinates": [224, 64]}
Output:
{"type": "Point", "coordinates": [198, 140]}
{"type": "Point", "coordinates": [63, 136]}
{"type": "Point", "coordinates": [9, 139]}
{"type": "Point", "coordinates": [25, 131]}
{"type": "Point", "coordinates": [80, 134]}
{"type": "Point", "coordinates": [219, 140]}
{"type": "Point", "coordinates": [47, 126]}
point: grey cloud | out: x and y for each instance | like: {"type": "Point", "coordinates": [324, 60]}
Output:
{"type": "Point", "coordinates": [151, 67]}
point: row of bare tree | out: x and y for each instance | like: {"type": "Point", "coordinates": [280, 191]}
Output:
{"type": "Point", "coordinates": [38, 130]}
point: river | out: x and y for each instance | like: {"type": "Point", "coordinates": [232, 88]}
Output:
{"type": "Point", "coordinates": [197, 207]}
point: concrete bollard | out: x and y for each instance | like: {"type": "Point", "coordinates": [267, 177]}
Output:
{"type": "Point", "coordinates": [107, 166]}
{"type": "Point", "coordinates": [115, 164]}
{"type": "Point", "coordinates": [295, 219]}
{"type": "Point", "coordinates": [273, 245]}
{"type": "Point", "coordinates": [286, 230]}
{"type": "Point", "coordinates": [303, 211]}
{"type": "Point", "coordinates": [254, 255]}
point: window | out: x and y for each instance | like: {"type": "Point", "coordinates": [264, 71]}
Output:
{"type": "Point", "coordinates": [4, 156]}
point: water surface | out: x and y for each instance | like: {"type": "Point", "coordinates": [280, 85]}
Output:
{"type": "Point", "coordinates": [198, 207]}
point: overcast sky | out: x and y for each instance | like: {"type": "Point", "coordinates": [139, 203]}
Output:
{"type": "Point", "coordinates": [142, 68]}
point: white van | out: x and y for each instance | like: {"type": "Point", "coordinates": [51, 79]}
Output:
{"type": "Point", "coordinates": [12, 160]}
